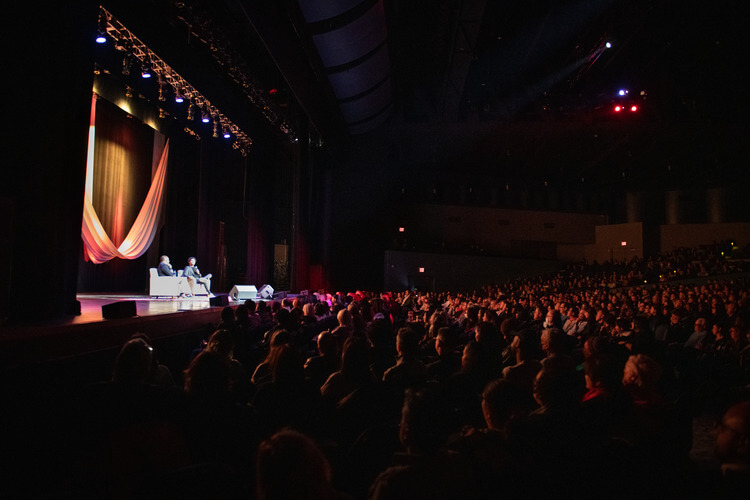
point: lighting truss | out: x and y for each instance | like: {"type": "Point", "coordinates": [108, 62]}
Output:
{"type": "Point", "coordinates": [126, 41]}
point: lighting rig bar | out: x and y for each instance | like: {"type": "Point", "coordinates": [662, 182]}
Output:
{"type": "Point", "coordinates": [127, 42]}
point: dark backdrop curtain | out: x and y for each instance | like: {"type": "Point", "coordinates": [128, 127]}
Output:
{"type": "Point", "coordinates": [122, 175]}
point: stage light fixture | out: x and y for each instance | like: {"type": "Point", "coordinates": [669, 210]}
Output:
{"type": "Point", "coordinates": [216, 129]}
{"type": "Point", "coordinates": [128, 92]}
{"type": "Point", "coordinates": [179, 96]}
{"type": "Point", "coordinates": [623, 92]}
{"type": "Point", "coordinates": [190, 112]}
{"type": "Point", "coordinates": [101, 30]}
{"type": "Point", "coordinates": [145, 70]}
{"type": "Point", "coordinates": [225, 133]}
{"type": "Point", "coordinates": [618, 109]}
{"type": "Point", "coordinates": [608, 45]}
{"type": "Point", "coordinates": [633, 108]}
{"type": "Point", "coordinates": [205, 118]}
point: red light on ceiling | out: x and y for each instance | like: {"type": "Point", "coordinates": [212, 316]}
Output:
{"type": "Point", "coordinates": [633, 108]}
{"type": "Point", "coordinates": [401, 230]}
{"type": "Point", "coordinates": [273, 91]}
{"type": "Point", "coordinates": [421, 269]}
{"type": "Point", "coordinates": [618, 109]}
{"type": "Point", "coordinates": [624, 243]}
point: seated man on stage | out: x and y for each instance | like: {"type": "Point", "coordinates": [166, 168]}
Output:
{"type": "Point", "coordinates": [194, 276]}
{"type": "Point", "coordinates": [165, 268]}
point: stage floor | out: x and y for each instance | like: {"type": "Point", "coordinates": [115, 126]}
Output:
{"type": "Point", "coordinates": [43, 341]}
{"type": "Point", "coordinates": [91, 305]}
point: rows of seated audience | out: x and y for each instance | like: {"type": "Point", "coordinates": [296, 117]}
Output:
{"type": "Point", "coordinates": [564, 385]}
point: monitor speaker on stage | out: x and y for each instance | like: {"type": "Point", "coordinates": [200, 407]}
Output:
{"type": "Point", "coordinates": [118, 310]}
{"type": "Point", "coordinates": [220, 300]}
{"type": "Point", "coordinates": [243, 292]}
{"type": "Point", "coordinates": [265, 292]}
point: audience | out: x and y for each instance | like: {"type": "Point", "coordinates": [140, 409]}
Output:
{"type": "Point", "coordinates": [578, 384]}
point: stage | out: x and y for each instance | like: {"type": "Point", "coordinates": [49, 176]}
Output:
{"type": "Point", "coordinates": [39, 342]}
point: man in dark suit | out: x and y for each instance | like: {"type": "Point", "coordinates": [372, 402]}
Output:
{"type": "Point", "coordinates": [165, 268]}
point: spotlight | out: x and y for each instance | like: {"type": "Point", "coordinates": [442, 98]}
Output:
{"type": "Point", "coordinates": [608, 45]}
{"type": "Point", "coordinates": [633, 108]}
{"type": "Point", "coordinates": [618, 109]}
{"type": "Point", "coordinates": [225, 133]}
{"type": "Point", "coordinates": [623, 92]}
{"type": "Point", "coordinates": [101, 32]}
{"type": "Point", "coordinates": [179, 96]}
{"type": "Point", "coordinates": [205, 117]}
{"type": "Point", "coordinates": [145, 70]}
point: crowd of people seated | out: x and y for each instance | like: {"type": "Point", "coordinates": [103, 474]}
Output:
{"type": "Point", "coordinates": [582, 384]}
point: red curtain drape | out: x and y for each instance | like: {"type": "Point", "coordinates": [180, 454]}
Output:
{"type": "Point", "coordinates": [98, 246]}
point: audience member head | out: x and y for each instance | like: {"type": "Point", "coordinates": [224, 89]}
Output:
{"type": "Point", "coordinates": [502, 400]}
{"type": "Point", "coordinates": [446, 341]}
{"type": "Point", "coordinates": [327, 345]}
{"type": "Point", "coordinates": [552, 341]}
{"type": "Point", "coordinates": [290, 465]}
{"type": "Point", "coordinates": [508, 328]}
{"type": "Point", "coordinates": [321, 309]}
{"type": "Point", "coordinates": [487, 333]}
{"type": "Point", "coordinates": [354, 360]}
{"type": "Point", "coordinates": [641, 377]}
{"type": "Point", "coordinates": [287, 366]}
{"type": "Point", "coordinates": [407, 342]}
{"type": "Point", "coordinates": [227, 316]}
{"type": "Point", "coordinates": [557, 389]}
{"type": "Point", "coordinates": [420, 431]}
{"type": "Point", "coordinates": [280, 337]}
{"type": "Point", "coordinates": [377, 334]}
{"type": "Point", "coordinates": [241, 314]}
{"type": "Point", "coordinates": [251, 306]}
{"type": "Point", "coordinates": [221, 342]}
{"type": "Point", "coordinates": [207, 375]}
{"type": "Point", "coordinates": [603, 370]}
{"type": "Point", "coordinates": [733, 435]}
{"type": "Point", "coordinates": [345, 318]}
{"type": "Point", "coordinates": [134, 363]}
{"type": "Point", "coordinates": [553, 319]}
{"type": "Point", "coordinates": [525, 345]}
{"type": "Point", "coordinates": [735, 333]}
{"type": "Point", "coordinates": [308, 310]}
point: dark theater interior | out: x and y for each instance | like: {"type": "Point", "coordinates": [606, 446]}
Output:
{"type": "Point", "coordinates": [450, 249]}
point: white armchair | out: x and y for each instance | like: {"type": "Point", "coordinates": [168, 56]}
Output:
{"type": "Point", "coordinates": [165, 286]}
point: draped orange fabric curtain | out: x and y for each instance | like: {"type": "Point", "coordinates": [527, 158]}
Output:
{"type": "Point", "coordinates": [115, 180]}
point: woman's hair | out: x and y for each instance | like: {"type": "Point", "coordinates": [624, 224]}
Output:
{"type": "Point", "coordinates": [290, 465]}
{"type": "Point", "coordinates": [221, 342]}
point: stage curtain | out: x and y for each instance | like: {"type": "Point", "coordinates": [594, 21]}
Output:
{"type": "Point", "coordinates": [98, 246]}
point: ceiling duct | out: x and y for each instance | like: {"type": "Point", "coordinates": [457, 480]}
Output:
{"type": "Point", "coordinates": [351, 39]}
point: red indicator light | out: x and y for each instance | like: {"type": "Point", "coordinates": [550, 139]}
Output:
{"type": "Point", "coordinates": [633, 108]}
{"type": "Point", "coordinates": [618, 109]}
